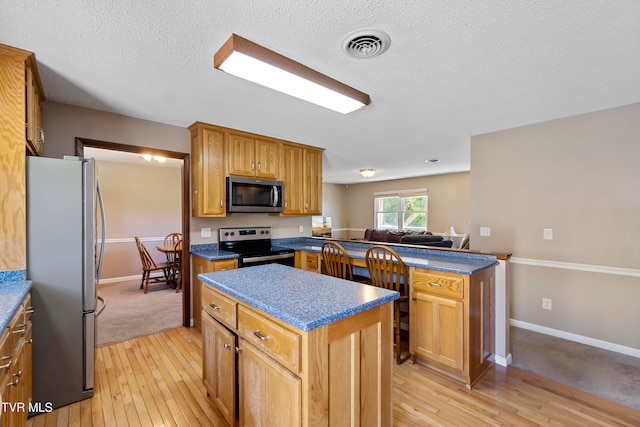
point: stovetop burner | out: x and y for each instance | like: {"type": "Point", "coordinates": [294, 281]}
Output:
{"type": "Point", "coordinates": [254, 246]}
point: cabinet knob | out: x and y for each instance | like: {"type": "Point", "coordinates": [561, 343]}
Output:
{"type": "Point", "coordinates": [215, 307]}
{"type": "Point", "coordinates": [238, 349]}
{"type": "Point", "coordinates": [226, 346]}
{"type": "Point", "coordinates": [414, 299]}
{"type": "Point", "coordinates": [437, 285]}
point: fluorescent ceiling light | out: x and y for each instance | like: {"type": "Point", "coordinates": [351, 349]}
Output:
{"type": "Point", "coordinates": [245, 59]}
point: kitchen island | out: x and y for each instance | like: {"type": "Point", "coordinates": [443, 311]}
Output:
{"type": "Point", "coordinates": [312, 350]}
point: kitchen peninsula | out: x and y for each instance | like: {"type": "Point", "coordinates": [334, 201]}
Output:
{"type": "Point", "coordinates": [311, 349]}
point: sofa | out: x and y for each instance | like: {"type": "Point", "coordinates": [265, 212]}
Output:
{"type": "Point", "coordinates": [422, 238]}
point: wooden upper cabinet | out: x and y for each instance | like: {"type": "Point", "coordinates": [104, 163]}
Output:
{"type": "Point", "coordinates": [249, 156]}
{"type": "Point", "coordinates": [312, 181]}
{"type": "Point", "coordinates": [208, 176]}
{"type": "Point", "coordinates": [302, 177]}
{"type": "Point", "coordinates": [33, 125]}
{"type": "Point", "coordinates": [292, 177]}
{"type": "Point", "coordinates": [219, 152]}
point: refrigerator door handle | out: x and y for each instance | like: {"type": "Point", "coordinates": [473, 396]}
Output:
{"type": "Point", "coordinates": [104, 305]}
{"type": "Point", "coordinates": [104, 232]}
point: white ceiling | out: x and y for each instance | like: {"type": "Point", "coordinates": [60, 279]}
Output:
{"type": "Point", "coordinates": [454, 68]}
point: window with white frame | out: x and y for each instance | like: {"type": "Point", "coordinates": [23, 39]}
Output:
{"type": "Point", "coordinates": [401, 210]}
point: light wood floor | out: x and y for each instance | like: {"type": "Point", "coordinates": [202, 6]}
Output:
{"type": "Point", "coordinates": [155, 381]}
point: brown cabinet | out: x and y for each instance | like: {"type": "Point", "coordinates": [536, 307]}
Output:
{"type": "Point", "coordinates": [330, 375]}
{"type": "Point", "coordinates": [310, 261]}
{"type": "Point", "coordinates": [22, 94]}
{"type": "Point", "coordinates": [35, 133]}
{"type": "Point", "coordinates": [199, 266]}
{"type": "Point", "coordinates": [451, 321]}
{"type": "Point", "coordinates": [218, 365]}
{"type": "Point", "coordinates": [302, 177]}
{"type": "Point", "coordinates": [19, 81]}
{"type": "Point", "coordinates": [250, 156]}
{"type": "Point", "coordinates": [15, 366]}
{"type": "Point", "coordinates": [219, 152]}
{"type": "Point", "coordinates": [208, 175]}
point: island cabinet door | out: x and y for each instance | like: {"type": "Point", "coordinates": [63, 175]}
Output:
{"type": "Point", "coordinates": [437, 326]}
{"type": "Point", "coordinates": [270, 395]}
{"type": "Point", "coordinates": [218, 366]}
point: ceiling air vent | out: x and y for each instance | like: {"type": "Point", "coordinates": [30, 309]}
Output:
{"type": "Point", "coordinates": [366, 43]}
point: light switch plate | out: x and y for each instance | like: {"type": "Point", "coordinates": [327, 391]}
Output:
{"type": "Point", "coordinates": [205, 232]}
{"type": "Point", "coordinates": [485, 231]}
{"type": "Point", "coordinates": [547, 234]}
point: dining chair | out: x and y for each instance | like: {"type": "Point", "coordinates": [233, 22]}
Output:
{"type": "Point", "coordinates": [151, 271]}
{"type": "Point", "coordinates": [336, 260]}
{"type": "Point", "coordinates": [387, 270]}
{"type": "Point", "coordinates": [171, 239]}
{"type": "Point", "coordinates": [176, 265]}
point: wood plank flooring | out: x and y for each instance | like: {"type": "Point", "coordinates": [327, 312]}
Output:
{"type": "Point", "coordinates": [155, 381]}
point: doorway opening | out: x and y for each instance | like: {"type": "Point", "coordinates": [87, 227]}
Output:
{"type": "Point", "coordinates": [81, 143]}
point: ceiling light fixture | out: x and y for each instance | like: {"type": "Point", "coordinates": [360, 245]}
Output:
{"type": "Point", "coordinates": [433, 160]}
{"type": "Point", "coordinates": [149, 157]}
{"type": "Point", "coordinates": [367, 173]}
{"type": "Point", "coordinates": [245, 59]}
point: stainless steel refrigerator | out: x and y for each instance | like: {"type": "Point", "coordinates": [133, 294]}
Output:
{"type": "Point", "coordinates": [63, 263]}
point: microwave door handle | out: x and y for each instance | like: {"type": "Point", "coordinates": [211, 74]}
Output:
{"type": "Point", "coordinates": [274, 190]}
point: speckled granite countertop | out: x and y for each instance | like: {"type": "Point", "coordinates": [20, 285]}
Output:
{"type": "Point", "coordinates": [453, 262]}
{"type": "Point", "coordinates": [211, 252]}
{"type": "Point", "coordinates": [11, 295]}
{"type": "Point", "coordinates": [300, 298]}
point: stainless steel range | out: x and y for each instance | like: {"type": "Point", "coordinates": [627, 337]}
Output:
{"type": "Point", "coordinates": [254, 246]}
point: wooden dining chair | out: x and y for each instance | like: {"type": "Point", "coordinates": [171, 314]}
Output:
{"type": "Point", "coordinates": [387, 270]}
{"type": "Point", "coordinates": [336, 260]}
{"type": "Point", "coordinates": [171, 239]}
{"type": "Point", "coordinates": [151, 271]}
{"type": "Point", "coordinates": [176, 265]}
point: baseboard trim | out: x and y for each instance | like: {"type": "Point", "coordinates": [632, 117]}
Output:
{"type": "Point", "coordinates": [591, 268]}
{"type": "Point", "coordinates": [120, 279]}
{"type": "Point", "coordinates": [605, 345]}
{"type": "Point", "coordinates": [503, 361]}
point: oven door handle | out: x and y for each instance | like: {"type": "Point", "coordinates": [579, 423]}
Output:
{"type": "Point", "coordinates": [267, 258]}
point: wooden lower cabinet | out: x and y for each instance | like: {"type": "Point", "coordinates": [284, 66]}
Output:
{"type": "Point", "coordinates": [310, 261]}
{"type": "Point", "coordinates": [280, 401]}
{"type": "Point", "coordinates": [219, 345]}
{"type": "Point", "coordinates": [451, 320]}
{"type": "Point", "coordinates": [335, 375]}
{"type": "Point", "coordinates": [15, 367]}
{"type": "Point", "coordinates": [201, 265]}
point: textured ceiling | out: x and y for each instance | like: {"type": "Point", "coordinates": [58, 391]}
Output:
{"type": "Point", "coordinates": [454, 69]}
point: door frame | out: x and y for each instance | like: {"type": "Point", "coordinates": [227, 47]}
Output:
{"type": "Point", "coordinates": [81, 143]}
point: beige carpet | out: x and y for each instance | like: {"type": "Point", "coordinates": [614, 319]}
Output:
{"type": "Point", "coordinates": [131, 313]}
{"type": "Point", "coordinates": [604, 373]}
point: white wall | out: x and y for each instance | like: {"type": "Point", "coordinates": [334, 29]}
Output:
{"type": "Point", "coordinates": [579, 176]}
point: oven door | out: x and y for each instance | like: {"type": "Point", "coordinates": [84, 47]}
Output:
{"type": "Point", "coordinates": [276, 258]}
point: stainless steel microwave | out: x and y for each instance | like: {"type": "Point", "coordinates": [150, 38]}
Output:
{"type": "Point", "coordinates": [253, 195]}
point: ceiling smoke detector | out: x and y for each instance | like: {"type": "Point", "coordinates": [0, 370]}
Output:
{"type": "Point", "coordinates": [363, 44]}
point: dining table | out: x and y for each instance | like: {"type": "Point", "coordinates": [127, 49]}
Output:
{"type": "Point", "coordinates": [172, 252]}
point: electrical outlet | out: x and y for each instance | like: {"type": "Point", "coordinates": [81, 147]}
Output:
{"type": "Point", "coordinates": [301, 229]}
{"type": "Point", "coordinates": [546, 303]}
{"type": "Point", "coordinates": [205, 232]}
{"type": "Point", "coordinates": [485, 231]}
{"type": "Point", "coordinates": [547, 234]}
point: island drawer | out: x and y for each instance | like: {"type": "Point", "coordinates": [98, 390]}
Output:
{"type": "Point", "coordinates": [437, 283]}
{"type": "Point", "coordinates": [219, 306]}
{"type": "Point", "coordinates": [281, 343]}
